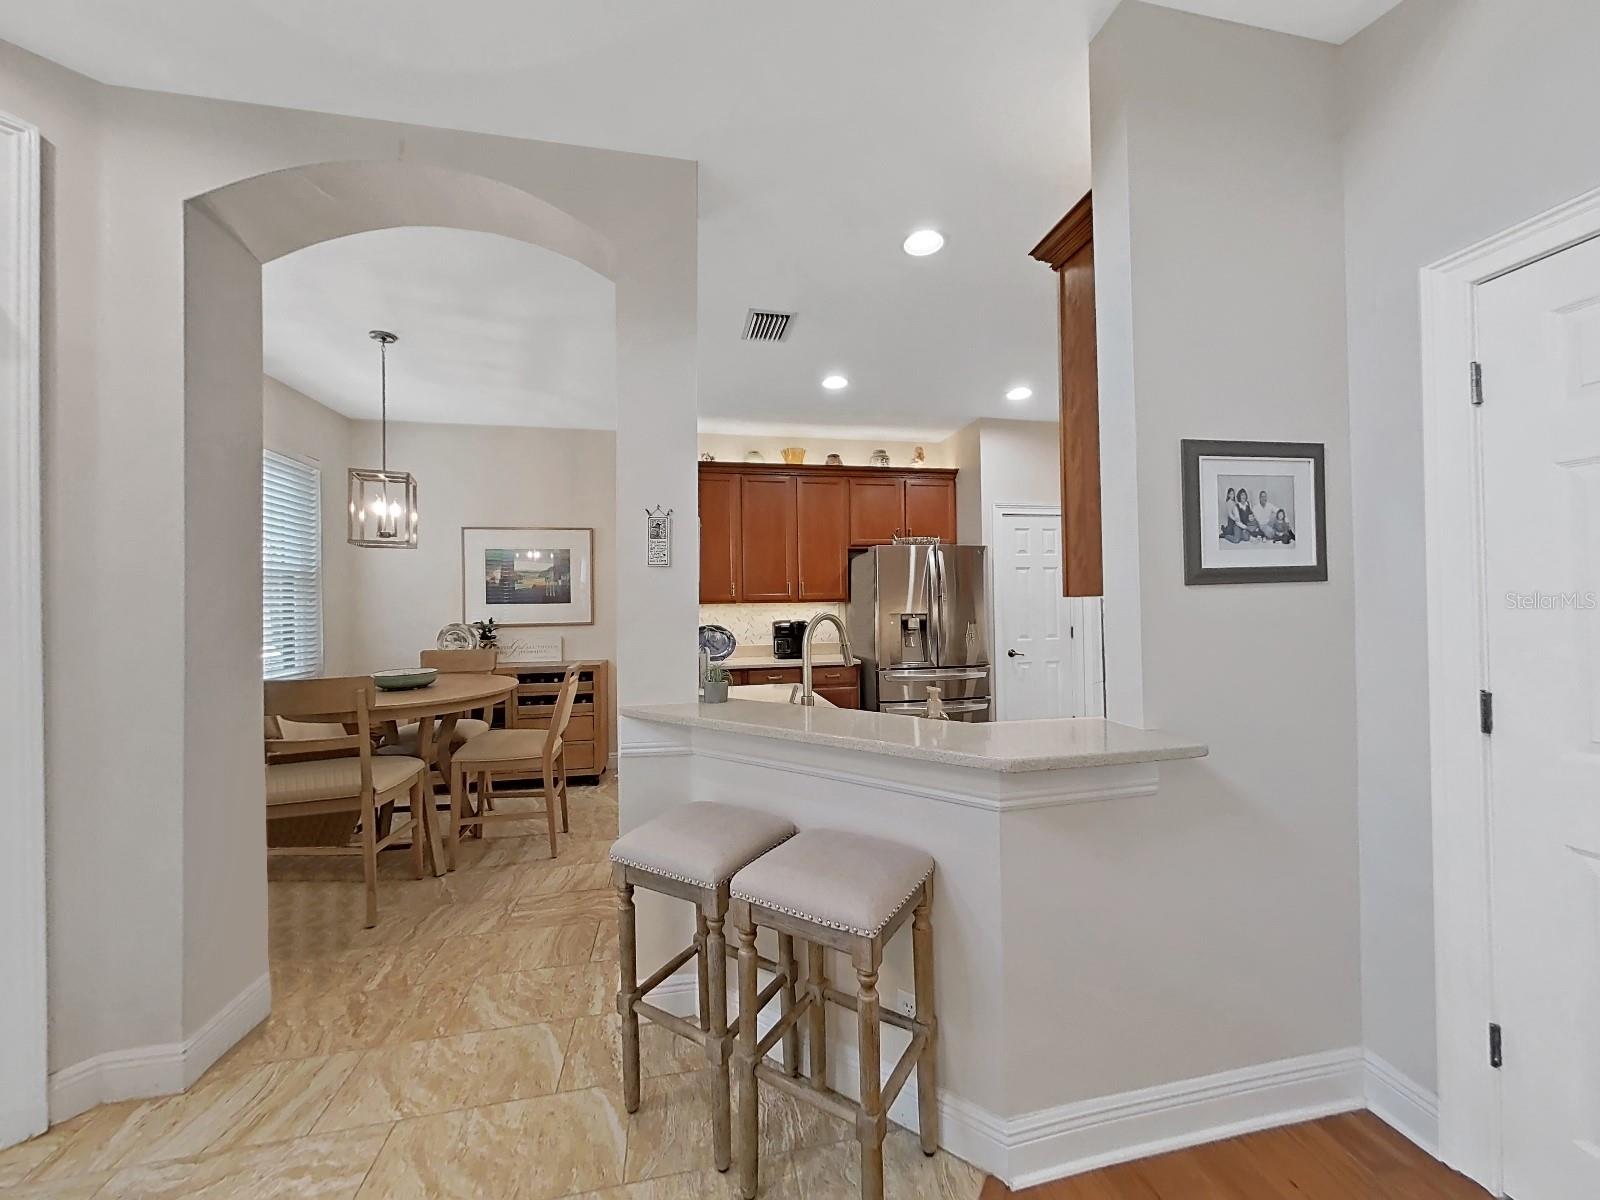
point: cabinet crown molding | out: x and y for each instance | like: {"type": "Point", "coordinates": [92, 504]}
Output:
{"type": "Point", "coordinates": [1071, 234]}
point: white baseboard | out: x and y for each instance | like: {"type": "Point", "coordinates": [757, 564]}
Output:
{"type": "Point", "coordinates": [1054, 1143]}
{"type": "Point", "coordinates": [1402, 1103]}
{"type": "Point", "coordinates": [159, 1070]}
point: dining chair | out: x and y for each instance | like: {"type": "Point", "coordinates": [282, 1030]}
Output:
{"type": "Point", "coordinates": [403, 739]}
{"type": "Point", "coordinates": [518, 752]}
{"type": "Point", "coordinates": [320, 789]}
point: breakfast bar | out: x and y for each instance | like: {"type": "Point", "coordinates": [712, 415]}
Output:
{"type": "Point", "coordinates": [1021, 819]}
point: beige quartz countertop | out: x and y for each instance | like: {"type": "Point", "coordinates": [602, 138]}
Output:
{"type": "Point", "coordinates": [760, 658]}
{"type": "Point", "coordinates": [1004, 746]}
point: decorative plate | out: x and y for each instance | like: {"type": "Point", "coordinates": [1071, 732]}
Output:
{"type": "Point", "coordinates": [405, 679]}
{"type": "Point", "coordinates": [717, 641]}
{"type": "Point", "coordinates": [457, 636]}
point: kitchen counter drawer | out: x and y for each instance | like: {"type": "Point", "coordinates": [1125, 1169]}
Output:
{"type": "Point", "coordinates": [766, 675]}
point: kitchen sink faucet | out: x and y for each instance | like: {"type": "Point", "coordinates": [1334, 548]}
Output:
{"type": "Point", "coordinates": [807, 696]}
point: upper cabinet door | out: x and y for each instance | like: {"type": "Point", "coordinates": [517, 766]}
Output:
{"type": "Point", "coordinates": [719, 538]}
{"type": "Point", "coordinates": [822, 509]}
{"type": "Point", "coordinates": [877, 510]}
{"type": "Point", "coordinates": [768, 536]}
{"type": "Point", "coordinates": [931, 508]}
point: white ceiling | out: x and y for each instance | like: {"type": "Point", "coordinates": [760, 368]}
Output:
{"type": "Point", "coordinates": [492, 331]}
{"type": "Point", "coordinates": [825, 133]}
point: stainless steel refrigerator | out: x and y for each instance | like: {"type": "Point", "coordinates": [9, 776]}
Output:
{"type": "Point", "coordinates": [919, 617]}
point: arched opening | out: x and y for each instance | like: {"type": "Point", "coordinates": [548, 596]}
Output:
{"type": "Point", "coordinates": [229, 233]}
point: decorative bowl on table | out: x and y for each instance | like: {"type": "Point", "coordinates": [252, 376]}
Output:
{"type": "Point", "coordinates": [717, 641]}
{"type": "Point", "coordinates": [405, 679]}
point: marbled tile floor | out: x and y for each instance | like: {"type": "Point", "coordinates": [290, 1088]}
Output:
{"type": "Point", "coordinates": [466, 1047]}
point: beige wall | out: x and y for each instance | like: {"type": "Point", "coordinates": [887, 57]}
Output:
{"type": "Point", "coordinates": [132, 821]}
{"type": "Point", "coordinates": [482, 475]}
{"type": "Point", "coordinates": [295, 425]}
{"type": "Point", "coordinates": [733, 448]}
{"type": "Point", "coordinates": [1217, 188]}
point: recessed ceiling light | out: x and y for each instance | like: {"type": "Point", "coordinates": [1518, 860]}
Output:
{"type": "Point", "coordinates": [835, 383]}
{"type": "Point", "coordinates": [924, 242]}
{"type": "Point", "coordinates": [1021, 392]}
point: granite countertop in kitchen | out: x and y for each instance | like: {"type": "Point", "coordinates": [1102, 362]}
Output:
{"type": "Point", "coordinates": [1004, 746]}
{"type": "Point", "coordinates": [757, 658]}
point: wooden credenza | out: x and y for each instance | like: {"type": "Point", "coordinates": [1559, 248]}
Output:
{"type": "Point", "coordinates": [588, 740]}
{"type": "Point", "coordinates": [773, 533]}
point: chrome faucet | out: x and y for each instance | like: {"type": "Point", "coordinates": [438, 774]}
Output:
{"type": "Point", "coordinates": [807, 696]}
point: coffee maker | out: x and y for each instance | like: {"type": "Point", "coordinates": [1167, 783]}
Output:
{"type": "Point", "coordinates": [788, 639]}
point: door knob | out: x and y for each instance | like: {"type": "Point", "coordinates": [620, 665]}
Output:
{"type": "Point", "coordinates": [1015, 654]}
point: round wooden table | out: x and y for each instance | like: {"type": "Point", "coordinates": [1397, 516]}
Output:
{"type": "Point", "coordinates": [446, 699]}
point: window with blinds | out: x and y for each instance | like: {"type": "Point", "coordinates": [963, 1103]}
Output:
{"type": "Point", "coordinates": [291, 568]}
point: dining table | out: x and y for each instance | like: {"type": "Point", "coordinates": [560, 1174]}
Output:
{"type": "Point", "coordinates": [435, 708]}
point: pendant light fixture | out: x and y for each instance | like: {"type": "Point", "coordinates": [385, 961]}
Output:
{"type": "Point", "coordinates": [383, 503]}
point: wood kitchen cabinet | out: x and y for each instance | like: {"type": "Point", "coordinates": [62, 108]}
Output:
{"type": "Point", "coordinates": [822, 530]}
{"type": "Point", "coordinates": [931, 508]}
{"type": "Point", "coordinates": [771, 534]}
{"type": "Point", "coordinates": [720, 538]}
{"type": "Point", "coordinates": [877, 510]}
{"type": "Point", "coordinates": [768, 551]}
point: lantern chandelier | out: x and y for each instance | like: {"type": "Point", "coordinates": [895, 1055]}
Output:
{"type": "Point", "coordinates": [383, 503]}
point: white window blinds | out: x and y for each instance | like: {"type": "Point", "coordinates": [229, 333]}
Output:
{"type": "Point", "coordinates": [291, 568]}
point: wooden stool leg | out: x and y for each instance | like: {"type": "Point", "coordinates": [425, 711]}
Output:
{"type": "Point", "coordinates": [817, 1033]}
{"type": "Point", "coordinates": [869, 1122]}
{"type": "Point", "coordinates": [791, 1040]}
{"type": "Point", "coordinates": [927, 1062]}
{"type": "Point", "coordinates": [749, 1100]}
{"type": "Point", "coordinates": [715, 960]}
{"type": "Point", "coordinates": [702, 969]}
{"type": "Point", "coordinates": [628, 968]}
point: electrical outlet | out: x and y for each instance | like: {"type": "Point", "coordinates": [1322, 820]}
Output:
{"type": "Point", "coordinates": [905, 1003]}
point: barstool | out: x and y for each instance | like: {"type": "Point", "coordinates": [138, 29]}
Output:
{"type": "Point", "coordinates": [691, 853]}
{"type": "Point", "coordinates": [846, 892]}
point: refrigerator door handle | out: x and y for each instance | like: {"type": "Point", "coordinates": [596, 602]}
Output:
{"type": "Point", "coordinates": [933, 674]}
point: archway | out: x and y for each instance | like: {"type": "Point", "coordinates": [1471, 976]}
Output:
{"type": "Point", "coordinates": [228, 233]}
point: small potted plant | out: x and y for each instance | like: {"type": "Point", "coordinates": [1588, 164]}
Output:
{"type": "Point", "coordinates": [487, 633]}
{"type": "Point", "coordinates": [715, 688]}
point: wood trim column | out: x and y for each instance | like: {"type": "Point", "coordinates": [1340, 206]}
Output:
{"type": "Point", "coordinates": [1069, 251]}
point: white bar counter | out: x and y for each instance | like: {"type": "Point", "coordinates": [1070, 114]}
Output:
{"type": "Point", "coordinates": [1033, 827]}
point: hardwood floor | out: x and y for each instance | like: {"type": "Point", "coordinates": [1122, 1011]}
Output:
{"type": "Point", "coordinates": [1351, 1157]}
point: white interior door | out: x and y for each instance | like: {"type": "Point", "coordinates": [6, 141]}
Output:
{"type": "Point", "coordinates": [1539, 345]}
{"type": "Point", "coordinates": [1047, 655]}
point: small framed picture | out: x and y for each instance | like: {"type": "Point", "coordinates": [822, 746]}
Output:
{"type": "Point", "coordinates": [1253, 512]}
{"type": "Point", "coordinates": [527, 576]}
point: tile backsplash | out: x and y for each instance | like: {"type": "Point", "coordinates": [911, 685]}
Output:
{"type": "Point", "coordinates": [752, 623]}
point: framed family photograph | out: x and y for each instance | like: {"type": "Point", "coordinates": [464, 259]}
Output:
{"type": "Point", "coordinates": [1253, 512]}
{"type": "Point", "coordinates": [527, 576]}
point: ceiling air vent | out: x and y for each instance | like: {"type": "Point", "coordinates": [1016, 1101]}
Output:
{"type": "Point", "coordinates": [762, 326]}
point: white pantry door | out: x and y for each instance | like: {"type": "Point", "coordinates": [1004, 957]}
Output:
{"type": "Point", "coordinates": [1047, 655]}
{"type": "Point", "coordinates": [1539, 346]}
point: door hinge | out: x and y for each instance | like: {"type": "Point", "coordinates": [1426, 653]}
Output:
{"type": "Point", "coordinates": [1485, 712]}
{"type": "Point", "coordinates": [1477, 383]}
{"type": "Point", "coordinates": [1495, 1059]}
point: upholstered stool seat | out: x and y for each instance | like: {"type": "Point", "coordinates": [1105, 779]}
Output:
{"type": "Point", "coordinates": [841, 881]}
{"type": "Point", "coordinates": [691, 852]}
{"type": "Point", "coordinates": [849, 893]}
{"type": "Point", "coordinates": [702, 843]}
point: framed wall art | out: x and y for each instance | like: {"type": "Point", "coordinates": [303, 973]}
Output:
{"type": "Point", "coordinates": [1253, 512]}
{"type": "Point", "coordinates": [527, 575]}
